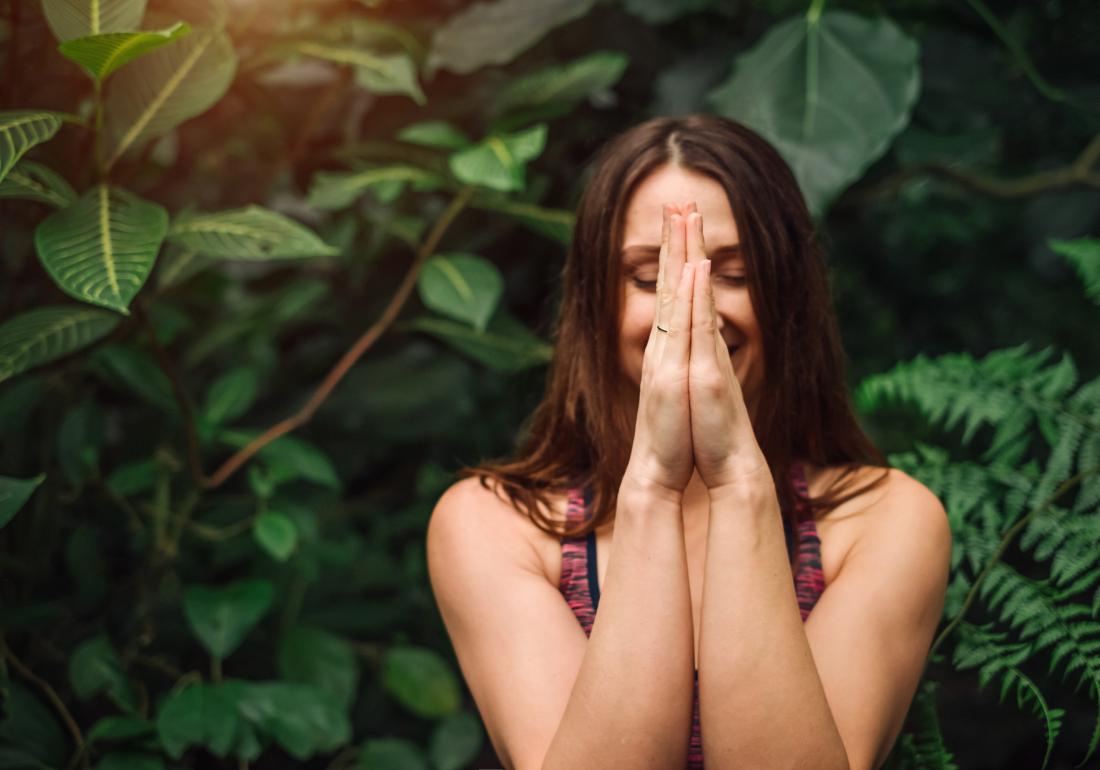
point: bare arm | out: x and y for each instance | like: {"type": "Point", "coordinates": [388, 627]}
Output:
{"type": "Point", "coordinates": [631, 704]}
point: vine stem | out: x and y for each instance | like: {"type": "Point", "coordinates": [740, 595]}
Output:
{"type": "Point", "coordinates": [1006, 540]}
{"type": "Point", "coordinates": [53, 697]}
{"type": "Point", "coordinates": [426, 249]}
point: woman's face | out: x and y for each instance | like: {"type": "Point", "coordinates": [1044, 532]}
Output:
{"type": "Point", "coordinates": [641, 247]}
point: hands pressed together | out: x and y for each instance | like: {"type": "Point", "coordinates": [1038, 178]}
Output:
{"type": "Point", "coordinates": [691, 411]}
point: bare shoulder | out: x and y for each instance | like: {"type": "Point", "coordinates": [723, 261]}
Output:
{"type": "Point", "coordinates": [480, 516]}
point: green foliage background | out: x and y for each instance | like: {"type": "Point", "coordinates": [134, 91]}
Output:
{"type": "Point", "coordinates": [270, 270]}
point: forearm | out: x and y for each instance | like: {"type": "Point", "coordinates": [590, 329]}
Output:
{"type": "Point", "coordinates": [632, 700]}
{"type": "Point", "coordinates": [761, 702]}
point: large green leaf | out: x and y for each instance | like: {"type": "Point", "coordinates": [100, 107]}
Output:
{"type": "Point", "coordinates": [48, 333]}
{"type": "Point", "coordinates": [556, 224]}
{"type": "Point", "coordinates": [499, 161]}
{"type": "Point", "coordinates": [14, 493]}
{"type": "Point", "coordinates": [421, 680]}
{"type": "Point", "coordinates": [173, 84]}
{"type": "Point", "coordinates": [465, 287]}
{"type": "Point", "coordinates": [33, 181]}
{"type": "Point", "coordinates": [506, 345]}
{"type": "Point", "coordinates": [133, 368]}
{"type": "Point", "coordinates": [435, 133]}
{"type": "Point", "coordinates": [94, 666]}
{"type": "Point", "coordinates": [251, 232]}
{"type": "Point", "coordinates": [231, 395]}
{"type": "Point", "coordinates": [22, 129]}
{"type": "Point", "coordinates": [498, 31]}
{"type": "Point", "coordinates": [71, 19]}
{"type": "Point", "coordinates": [100, 55]}
{"type": "Point", "coordinates": [829, 92]}
{"type": "Point", "coordinates": [320, 658]}
{"type": "Point", "coordinates": [289, 458]}
{"type": "Point", "coordinates": [303, 719]}
{"type": "Point", "coordinates": [101, 249]}
{"type": "Point", "coordinates": [222, 617]}
{"type": "Point", "coordinates": [334, 190]}
{"type": "Point", "coordinates": [380, 73]}
{"type": "Point", "coordinates": [556, 90]}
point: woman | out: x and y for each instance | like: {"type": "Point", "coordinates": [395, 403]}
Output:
{"type": "Point", "coordinates": [695, 450]}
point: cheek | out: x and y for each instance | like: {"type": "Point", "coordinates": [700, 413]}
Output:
{"type": "Point", "coordinates": [637, 317]}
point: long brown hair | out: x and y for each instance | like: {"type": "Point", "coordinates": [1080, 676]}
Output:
{"type": "Point", "coordinates": [581, 432]}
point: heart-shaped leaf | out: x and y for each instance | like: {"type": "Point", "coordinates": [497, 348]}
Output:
{"type": "Point", "coordinates": [22, 129]}
{"type": "Point", "coordinates": [301, 718]}
{"type": "Point", "coordinates": [101, 248]}
{"type": "Point", "coordinates": [47, 333]}
{"type": "Point", "coordinates": [222, 617]}
{"type": "Point", "coordinates": [829, 91]}
{"type": "Point", "coordinates": [465, 287]}
{"type": "Point", "coordinates": [33, 181]}
{"type": "Point", "coordinates": [251, 232]}
{"type": "Point", "coordinates": [100, 55]}
{"type": "Point", "coordinates": [203, 715]}
{"type": "Point", "coordinates": [14, 494]}
{"type": "Point", "coordinates": [174, 83]}
{"type": "Point", "coordinates": [499, 161]}
{"type": "Point", "coordinates": [71, 19]}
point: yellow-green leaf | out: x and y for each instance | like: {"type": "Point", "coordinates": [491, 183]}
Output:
{"type": "Point", "coordinates": [48, 333]}
{"type": "Point", "coordinates": [100, 55]}
{"type": "Point", "coordinates": [22, 129]}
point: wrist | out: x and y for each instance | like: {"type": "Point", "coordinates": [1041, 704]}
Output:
{"type": "Point", "coordinates": [640, 489]}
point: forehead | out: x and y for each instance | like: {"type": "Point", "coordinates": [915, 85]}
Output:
{"type": "Point", "coordinates": [671, 184]}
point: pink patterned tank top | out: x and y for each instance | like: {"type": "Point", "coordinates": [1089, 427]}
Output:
{"type": "Point", "coordinates": [580, 585]}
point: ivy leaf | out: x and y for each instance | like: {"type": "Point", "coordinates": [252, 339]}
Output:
{"type": "Point", "coordinates": [33, 181]}
{"type": "Point", "coordinates": [276, 534]}
{"type": "Point", "coordinates": [94, 666]}
{"type": "Point", "coordinates": [320, 658]}
{"type": "Point", "coordinates": [222, 617]}
{"type": "Point", "coordinates": [498, 161]}
{"type": "Point", "coordinates": [251, 232]}
{"type": "Point", "coordinates": [830, 92]}
{"type": "Point", "coordinates": [421, 680]}
{"type": "Point", "coordinates": [48, 333]}
{"type": "Point", "coordinates": [100, 55]}
{"type": "Point", "coordinates": [22, 129]}
{"type": "Point", "coordinates": [465, 287]}
{"type": "Point", "coordinates": [101, 248]}
{"type": "Point", "coordinates": [14, 494]}
{"type": "Point", "coordinates": [456, 741]}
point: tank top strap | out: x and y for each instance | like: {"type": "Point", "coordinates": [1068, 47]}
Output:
{"type": "Point", "coordinates": [809, 575]}
{"type": "Point", "coordinates": [575, 559]}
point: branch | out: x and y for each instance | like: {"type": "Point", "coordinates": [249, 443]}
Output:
{"type": "Point", "coordinates": [1081, 171]}
{"type": "Point", "coordinates": [53, 697]}
{"type": "Point", "coordinates": [369, 337]}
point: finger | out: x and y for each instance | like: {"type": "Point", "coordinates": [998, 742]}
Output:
{"type": "Point", "coordinates": [694, 240]}
{"type": "Point", "coordinates": [678, 347]}
{"type": "Point", "coordinates": [676, 252]}
{"type": "Point", "coordinates": [704, 327]}
{"type": "Point", "coordinates": [659, 312]}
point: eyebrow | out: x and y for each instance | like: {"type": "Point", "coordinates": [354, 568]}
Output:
{"type": "Point", "coordinates": [641, 253]}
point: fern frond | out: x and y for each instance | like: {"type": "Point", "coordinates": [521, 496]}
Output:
{"type": "Point", "coordinates": [920, 745]}
{"type": "Point", "coordinates": [995, 657]}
